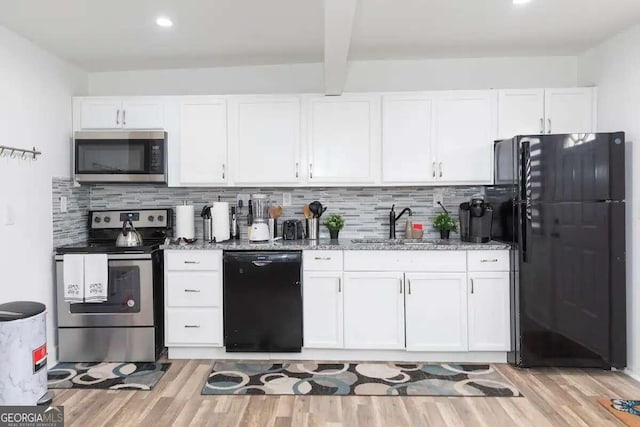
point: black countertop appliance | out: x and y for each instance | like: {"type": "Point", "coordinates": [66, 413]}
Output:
{"type": "Point", "coordinates": [476, 218]}
{"type": "Point", "coordinates": [560, 201]}
{"type": "Point", "coordinates": [262, 301]}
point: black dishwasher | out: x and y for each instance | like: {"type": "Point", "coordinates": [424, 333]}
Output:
{"type": "Point", "coordinates": [262, 301]}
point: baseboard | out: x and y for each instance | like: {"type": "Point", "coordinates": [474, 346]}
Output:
{"type": "Point", "coordinates": [632, 374]}
{"type": "Point", "coordinates": [341, 355]}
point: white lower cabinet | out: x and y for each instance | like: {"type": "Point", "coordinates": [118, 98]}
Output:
{"type": "Point", "coordinates": [374, 310]}
{"type": "Point", "coordinates": [436, 311]}
{"type": "Point", "coordinates": [489, 311]}
{"type": "Point", "coordinates": [193, 298]}
{"type": "Point", "coordinates": [323, 309]}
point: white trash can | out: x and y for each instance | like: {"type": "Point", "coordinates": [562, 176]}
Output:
{"type": "Point", "coordinates": [23, 353]}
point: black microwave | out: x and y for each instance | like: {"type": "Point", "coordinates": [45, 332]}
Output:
{"type": "Point", "coordinates": [120, 156]}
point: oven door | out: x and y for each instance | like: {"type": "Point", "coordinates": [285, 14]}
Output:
{"type": "Point", "coordinates": [120, 156]}
{"type": "Point", "coordinates": [130, 300]}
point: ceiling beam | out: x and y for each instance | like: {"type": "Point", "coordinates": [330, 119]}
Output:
{"type": "Point", "coordinates": [338, 24]}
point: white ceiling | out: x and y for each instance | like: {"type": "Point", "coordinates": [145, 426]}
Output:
{"type": "Point", "coordinates": [101, 35]}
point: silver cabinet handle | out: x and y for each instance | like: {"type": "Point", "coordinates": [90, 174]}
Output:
{"type": "Point", "coordinates": [433, 168]}
{"type": "Point", "coordinates": [124, 117]}
{"type": "Point", "coordinates": [400, 280]}
{"type": "Point", "coordinates": [471, 285]}
{"type": "Point", "coordinates": [489, 260]}
{"type": "Point", "coordinates": [297, 172]}
{"type": "Point", "coordinates": [322, 258]}
{"type": "Point", "coordinates": [192, 262]}
{"type": "Point", "coordinates": [541, 125]}
{"type": "Point", "coordinates": [117, 117]}
{"type": "Point", "coordinates": [223, 170]}
{"type": "Point", "coordinates": [191, 326]}
{"type": "Point", "coordinates": [409, 283]}
{"type": "Point", "coordinates": [310, 170]}
{"type": "Point", "coordinates": [192, 290]}
{"type": "Point", "coordinates": [549, 123]}
{"type": "Point", "coordinates": [440, 168]}
{"type": "Point", "coordinates": [339, 284]}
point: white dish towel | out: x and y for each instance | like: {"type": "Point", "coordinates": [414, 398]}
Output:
{"type": "Point", "coordinates": [73, 278]}
{"type": "Point", "coordinates": [96, 278]}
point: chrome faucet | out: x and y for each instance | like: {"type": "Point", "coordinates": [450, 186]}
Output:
{"type": "Point", "coordinates": [393, 219]}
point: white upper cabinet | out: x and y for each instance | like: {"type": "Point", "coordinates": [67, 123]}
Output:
{"type": "Point", "coordinates": [202, 142]}
{"type": "Point", "coordinates": [374, 310]}
{"type": "Point", "coordinates": [436, 311]}
{"type": "Point", "coordinates": [489, 311]}
{"type": "Point", "coordinates": [465, 132]}
{"type": "Point", "coordinates": [143, 113]}
{"type": "Point", "coordinates": [343, 138]}
{"type": "Point", "coordinates": [407, 134]}
{"type": "Point", "coordinates": [570, 110]}
{"type": "Point", "coordinates": [265, 139]}
{"type": "Point", "coordinates": [520, 112]}
{"type": "Point", "coordinates": [116, 113]}
{"type": "Point", "coordinates": [97, 113]}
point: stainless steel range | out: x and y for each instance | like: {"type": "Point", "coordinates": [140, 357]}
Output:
{"type": "Point", "coordinates": [129, 325]}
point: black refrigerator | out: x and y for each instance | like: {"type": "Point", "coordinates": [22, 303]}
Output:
{"type": "Point", "coordinates": [559, 200]}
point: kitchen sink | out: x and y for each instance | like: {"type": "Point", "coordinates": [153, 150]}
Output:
{"type": "Point", "coordinates": [395, 242]}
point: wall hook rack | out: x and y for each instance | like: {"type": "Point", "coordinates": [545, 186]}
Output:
{"type": "Point", "coordinates": [22, 153]}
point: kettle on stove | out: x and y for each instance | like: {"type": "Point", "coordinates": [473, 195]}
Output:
{"type": "Point", "coordinates": [129, 236]}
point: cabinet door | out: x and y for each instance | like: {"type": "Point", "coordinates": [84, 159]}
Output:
{"type": "Point", "coordinates": [465, 129]}
{"type": "Point", "coordinates": [569, 110]}
{"type": "Point", "coordinates": [265, 134]}
{"type": "Point", "coordinates": [343, 139]}
{"type": "Point", "coordinates": [322, 308]}
{"type": "Point", "coordinates": [143, 113]}
{"type": "Point", "coordinates": [407, 127]}
{"type": "Point", "coordinates": [520, 112]}
{"type": "Point", "coordinates": [373, 311]}
{"type": "Point", "coordinates": [203, 142]}
{"type": "Point", "coordinates": [489, 312]}
{"type": "Point", "coordinates": [100, 114]}
{"type": "Point", "coordinates": [436, 317]}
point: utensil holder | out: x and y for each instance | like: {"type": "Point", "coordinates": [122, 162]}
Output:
{"type": "Point", "coordinates": [313, 228]}
{"type": "Point", "coordinates": [207, 229]}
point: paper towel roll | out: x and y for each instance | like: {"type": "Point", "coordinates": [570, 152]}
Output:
{"type": "Point", "coordinates": [220, 215]}
{"type": "Point", "coordinates": [185, 217]}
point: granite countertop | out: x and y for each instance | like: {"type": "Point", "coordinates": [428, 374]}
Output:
{"type": "Point", "coordinates": [343, 244]}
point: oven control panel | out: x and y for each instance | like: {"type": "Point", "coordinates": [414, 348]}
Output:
{"type": "Point", "coordinates": [140, 218]}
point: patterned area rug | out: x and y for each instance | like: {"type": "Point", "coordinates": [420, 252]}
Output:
{"type": "Point", "coordinates": [366, 379]}
{"type": "Point", "coordinates": [627, 411]}
{"type": "Point", "coordinates": [111, 376]}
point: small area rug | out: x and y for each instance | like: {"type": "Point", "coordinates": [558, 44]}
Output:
{"type": "Point", "coordinates": [627, 411]}
{"type": "Point", "coordinates": [364, 379]}
{"type": "Point", "coordinates": [110, 376]}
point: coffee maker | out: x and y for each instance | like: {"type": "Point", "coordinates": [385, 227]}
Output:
{"type": "Point", "coordinates": [476, 217]}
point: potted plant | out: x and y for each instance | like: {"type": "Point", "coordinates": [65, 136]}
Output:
{"type": "Point", "coordinates": [445, 224]}
{"type": "Point", "coordinates": [334, 223]}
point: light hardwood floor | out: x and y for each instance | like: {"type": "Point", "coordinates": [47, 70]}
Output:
{"type": "Point", "coordinates": [553, 397]}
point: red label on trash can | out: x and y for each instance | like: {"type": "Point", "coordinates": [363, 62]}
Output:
{"type": "Point", "coordinates": [39, 358]}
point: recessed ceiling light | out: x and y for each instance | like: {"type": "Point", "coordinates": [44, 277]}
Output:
{"type": "Point", "coordinates": [165, 22]}
{"type": "Point", "coordinates": [521, 1]}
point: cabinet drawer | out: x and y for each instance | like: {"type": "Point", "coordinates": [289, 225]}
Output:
{"type": "Point", "coordinates": [322, 260]}
{"type": "Point", "coordinates": [194, 326]}
{"type": "Point", "coordinates": [432, 261]}
{"type": "Point", "coordinates": [194, 289]}
{"type": "Point", "coordinates": [488, 260]}
{"type": "Point", "coordinates": [193, 260]}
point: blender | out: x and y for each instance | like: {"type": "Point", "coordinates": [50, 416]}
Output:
{"type": "Point", "coordinates": [260, 226]}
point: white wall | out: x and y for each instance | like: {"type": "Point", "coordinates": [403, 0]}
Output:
{"type": "Point", "coordinates": [614, 67]}
{"type": "Point", "coordinates": [35, 110]}
{"type": "Point", "coordinates": [430, 74]}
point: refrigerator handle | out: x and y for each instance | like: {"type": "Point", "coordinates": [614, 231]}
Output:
{"type": "Point", "coordinates": [525, 209]}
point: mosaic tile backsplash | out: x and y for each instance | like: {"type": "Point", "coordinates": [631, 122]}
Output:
{"type": "Point", "coordinates": [69, 227]}
{"type": "Point", "coordinates": [365, 210]}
